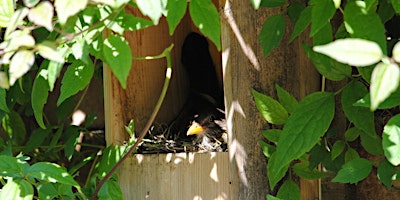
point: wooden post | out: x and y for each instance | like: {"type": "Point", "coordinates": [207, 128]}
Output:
{"type": "Point", "coordinates": [244, 68]}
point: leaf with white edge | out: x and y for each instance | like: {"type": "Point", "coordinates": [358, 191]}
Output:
{"type": "Point", "coordinates": [391, 140]}
{"type": "Point", "coordinates": [40, 92]}
{"type": "Point", "coordinates": [51, 172]}
{"type": "Point", "coordinates": [337, 149]}
{"type": "Point", "coordinates": [267, 149]}
{"type": "Point", "coordinates": [303, 170]}
{"type": "Point", "coordinates": [15, 21]}
{"type": "Point", "coordinates": [17, 190]}
{"type": "Point", "coordinates": [118, 56]}
{"type": "Point", "coordinates": [205, 16]}
{"type": "Point", "coordinates": [176, 9]}
{"type": "Point", "coordinates": [309, 121]}
{"type": "Point", "coordinates": [337, 3]}
{"type": "Point", "coordinates": [269, 108]}
{"type": "Point", "coordinates": [286, 99]}
{"type": "Point", "coordinates": [18, 39]}
{"type": "Point", "coordinates": [30, 3]}
{"type": "Point", "coordinates": [396, 52]}
{"type": "Point", "coordinates": [12, 167]}
{"type": "Point", "coordinates": [352, 51]}
{"type": "Point", "coordinates": [42, 15]}
{"type": "Point", "coordinates": [3, 103]}
{"type": "Point", "coordinates": [289, 191]}
{"type": "Point", "coordinates": [386, 173]}
{"type": "Point", "coordinates": [384, 81]}
{"type": "Point", "coordinates": [255, 3]}
{"type": "Point", "coordinates": [354, 171]}
{"type": "Point", "coordinates": [6, 12]}
{"type": "Point", "coordinates": [4, 83]}
{"type": "Point", "coordinates": [272, 33]}
{"type": "Point", "coordinates": [392, 101]}
{"type": "Point", "coordinates": [48, 50]}
{"type": "Point", "coordinates": [76, 78]}
{"type": "Point", "coordinates": [132, 23]}
{"type": "Point", "coordinates": [154, 9]}
{"type": "Point", "coordinates": [272, 134]}
{"type": "Point", "coordinates": [68, 8]}
{"type": "Point", "coordinates": [20, 64]}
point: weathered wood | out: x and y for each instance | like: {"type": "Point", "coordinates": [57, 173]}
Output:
{"type": "Point", "coordinates": [244, 68]}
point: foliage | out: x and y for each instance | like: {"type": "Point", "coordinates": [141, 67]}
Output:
{"type": "Point", "coordinates": [360, 44]}
{"type": "Point", "coordinates": [43, 41]}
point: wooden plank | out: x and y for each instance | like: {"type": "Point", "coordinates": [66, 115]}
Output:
{"type": "Point", "coordinates": [178, 176]}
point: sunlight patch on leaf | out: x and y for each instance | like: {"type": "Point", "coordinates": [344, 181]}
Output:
{"type": "Point", "coordinates": [391, 140]}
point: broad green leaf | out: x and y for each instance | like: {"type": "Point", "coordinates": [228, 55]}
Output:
{"type": "Point", "coordinates": [396, 6]}
{"type": "Point", "coordinates": [385, 11]}
{"type": "Point", "coordinates": [40, 92]}
{"type": "Point", "coordinates": [302, 23]}
{"type": "Point", "coordinates": [270, 197]}
{"type": "Point", "coordinates": [272, 134]}
{"type": "Point", "coordinates": [352, 134]}
{"type": "Point", "coordinates": [118, 56]}
{"type": "Point", "coordinates": [205, 16]}
{"type": "Point", "coordinates": [3, 103]}
{"type": "Point", "coordinates": [72, 134]}
{"type": "Point", "coordinates": [14, 126]}
{"type": "Point", "coordinates": [154, 9]}
{"type": "Point", "coordinates": [352, 51]}
{"type": "Point", "coordinates": [327, 66]}
{"type": "Point", "coordinates": [372, 144]}
{"type": "Point", "coordinates": [271, 33]}
{"type": "Point", "coordinates": [267, 149]}
{"type": "Point", "coordinates": [48, 50]}
{"type": "Point", "coordinates": [303, 170]}
{"type": "Point", "coordinates": [20, 64]}
{"type": "Point", "coordinates": [384, 81]}
{"type": "Point", "coordinates": [111, 155]}
{"type": "Point", "coordinates": [17, 190]}
{"type": "Point", "coordinates": [132, 23]}
{"type": "Point", "coordinates": [294, 11]}
{"type": "Point", "coordinates": [76, 78]}
{"type": "Point", "coordinates": [392, 101]}
{"type": "Point", "coordinates": [289, 191]}
{"type": "Point", "coordinates": [322, 12]}
{"type": "Point", "coordinates": [270, 109]}
{"type": "Point", "coordinates": [337, 149]}
{"type": "Point", "coordinates": [271, 3]}
{"type": "Point", "coordinates": [351, 154]}
{"type": "Point", "coordinates": [36, 139]}
{"type": "Point", "coordinates": [51, 172]}
{"type": "Point", "coordinates": [386, 173]}
{"type": "Point", "coordinates": [176, 9]}
{"type": "Point", "coordinates": [256, 3]}
{"type": "Point", "coordinates": [42, 15]}
{"type": "Point", "coordinates": [6, 12]}
{"type": "Point", "coordinates": [355, 13]}
{"type": "Point", "coordinates": [396, 52]}
{"type": "Point", "coordinates": [324, 36]}
{"type": "Point", "coordinates": [48, 191]}
{"type": "Point", "coordinates": [110, 190]}
{"type": "Point", "coordinates": [391, 140]}
{"type": "Point", "coordinates": [15, 21]}
{"type": "Point", "coordinates": [366, 72]}
{"type": "Point", "coordinates": [275, 176]}
{"type": "Point", "coordinates": [68, 8]}
{"type": "Point", "coordinates": [303, 129]}
{"type": "Point", "coordinates": [12, 167]}
{"type": "Point", "coordinates": [362, 117]}
{"type": "Point", "coordinates": [354, 171]}
{"type": "Point", "coordinates": [286, 99]}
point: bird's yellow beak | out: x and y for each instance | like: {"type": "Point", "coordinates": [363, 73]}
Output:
{"type": "Point", "coordinates": [195, 129]}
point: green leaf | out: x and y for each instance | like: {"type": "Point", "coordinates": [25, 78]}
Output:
{"type": "Point", "coordinates": [48, 50]}
{"type": "Point", "coordinates": [255, 3]}
{"type": "Point", "coordinates": [12, 167]}
{"type": "Point", "coordinates": [396, 5]}
{"type": "Point", "coordinates": [372, 144]}
{"type": "Point", "coordinates": [40, 92]}
{"type": "Point", "coordinates": [286, 99]}
{"type": "Point", "coordinates": [267, 149]}
{"type": "Point", "coordinates": [391, 140]}
{"type": "Point", "coordinates": [289, 191]}
{"type": "Point", "coordinates": [36, 139]}
{"type": "Point", "coordinates": [322, 12]}
{"type": "Point", "coordinates": [3, 103]}
{"type": "Point", "coordinates": [270, 109]}
{"type": "Point", "coordinates": [6, 12]}
{"type": "Point", "coordinates": [14, 126]}
{"type": "Point", "coordinates": [111, 155]}
{"type": "Point", "coordinates": [303, 129]}
{"type": "Point", "coordinates": [350, 155]}
{"type": "Point", "coordinates": [386, 173]}
{"type": "Point", "coordinates": [110, 190]}
{"type": "Point", "coordinates": [384, 81]}
{"type": "Point", "coordinates": [270, 197]}
{"type": "Point", "coordinates": [294, 11]}
{"type": "Point", "coordinates": [154, 9]}
{"type": "Point", "coordinates": [17, 190]}
{"type": "Point", "coordinates": [51, 172]}
{"type": "Point", "coordinates": [271, 3]}
{"type": "Point", "coordinates": [392, 101]}
{"type": "Point", "coordinates": [352, 51]}
{"type": "Point", "coordinates": [352, 134]}
{"type": "Point", "coordinates": [272, 134]}
{"type": "Point", "coordinates": [271, 33]}
{"type": "Point", "coordinates": [113, 3]}
{"type": "Point", "coordinates": [354, 171]}
{"type": "Point", "coordinates": [385, 11]}
{"type": "Point", "coordinates": [323, 36]}
{"type": "Point", "coordinates": [176, 10]}
{"type": "Point", "coordinates": [42, 15]}
{"type": "Point", "coordinates": [47, 191]}
{"type": "Point", "coordinates": [362, 118]}
{"type": "Point", "coordinates": [303, 170]}
{"type": "Point", "coordinates": [118, 56]}
{"type": "Point", "coordinates": [132, 23]}
{"type": "Point", "coordinates": [20, 64]}
{"type": "Point", "coordinates": [76, 78]}
{"type": "Point", "coordinates": [72, 134]}
{"type": "Point", "coordinates": [205, 16]}
{"type": "Point", "coordinates": [337, 149]}
{"type": "Point", "coordinates": [302, 23]}
{"type": "Point", "coordinates": [355, 13]}
{"type": "Point", "coordinates": [68, 8]}
{"type": "Point", "coordinates": [327, 66]}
